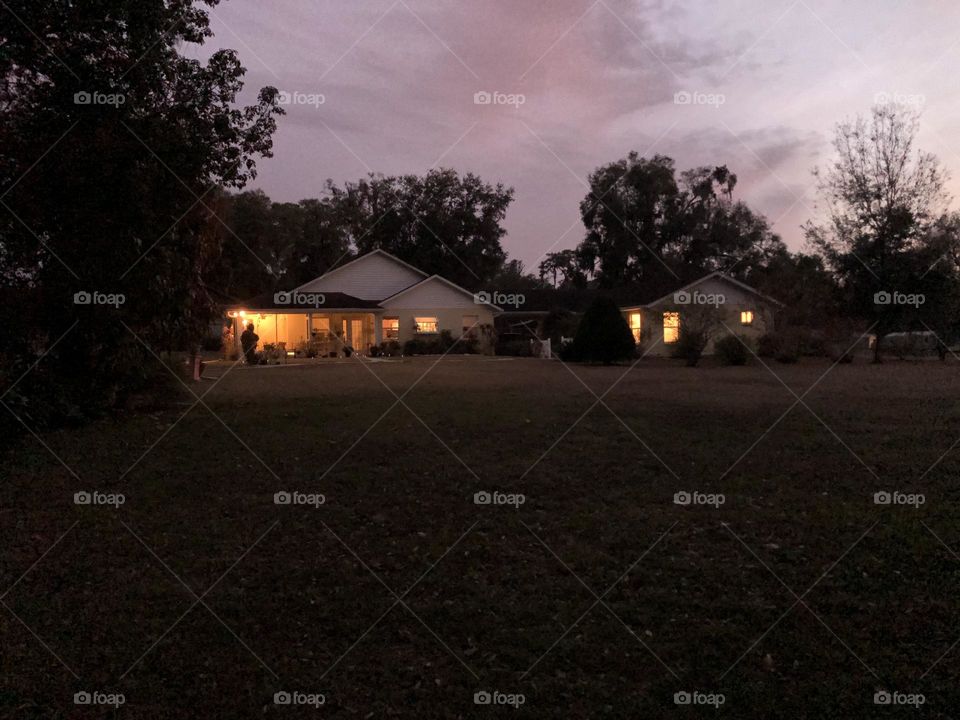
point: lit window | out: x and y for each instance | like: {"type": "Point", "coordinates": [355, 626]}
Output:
{"type": "Point", "coordinates": [319, 325]}
{"type": "Point", "coordinates": [391, 328]}
{"type": "Point", "coordinates": [636, 320]}
{"type": "Point", "coordinates": [746, 317]}
{"type": "Point", "coordinates": [671, 327]}
{"type": "Point", "coordinates": [426, 324]}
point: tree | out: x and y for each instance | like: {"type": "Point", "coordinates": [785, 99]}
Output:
{"type": "Point", "coordinates": [603, 335]}
{"type": "Point", "coordinates": [114, 145]}
{"type": "Point", "coordinates": [807, 289]}
{"type": "Point", "coordinates": [646, 226]}
{"type": "Point", "coordinates": [440, 222]}
{"type": "Point", "coordinates": [278, 245]}
{"type": "Point", "coordinates": [881, 200]}
{"type": "Point", "coordinates": [565, 264]}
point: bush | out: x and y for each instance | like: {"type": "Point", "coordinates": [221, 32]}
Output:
{"type": "Point", "coordinates": [690, 346]}
{"type": "Point", "coordinates": [514, 346]}
{"type": "Point", "coordinates": [732, 350]}
{"type": "Point", "coordinates": [602, 336]}
{"type": "Point", "coordinates": [767, 345]}
{"type": "Point", "coordinates": [438, 344]}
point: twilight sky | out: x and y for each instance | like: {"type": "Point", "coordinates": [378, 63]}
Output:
{"type": "Point", "coordinates": [766, 80]}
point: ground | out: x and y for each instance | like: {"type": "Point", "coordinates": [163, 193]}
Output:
{"type": "Point", "coordinates": [798, 597]}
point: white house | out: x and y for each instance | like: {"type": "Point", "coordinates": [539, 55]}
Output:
{"type": "Point", "coordinates": [730, 305]}
{"type": "Point", "coordinates": [375, 298]}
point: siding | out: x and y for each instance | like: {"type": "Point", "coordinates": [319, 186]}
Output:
{"type": "Point", "coordinates": [447, 319]}
{"type": "Point", "coordinates": [371, 277]}
{"type": "Point", "coordinates": [433, 293]}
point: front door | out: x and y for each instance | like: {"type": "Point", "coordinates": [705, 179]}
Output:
{"type": "Point", "coordinates": [356, 336]}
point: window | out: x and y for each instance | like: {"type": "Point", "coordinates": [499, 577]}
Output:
{"type": "Point", "coordinates": [319, 325]}
{"type": "Point", "coordinates": [746, 317]}
{"type": "Point", "coordinates": [426, 324]}
{"type": "Point", "coordinates": [470, 323]}
{"type": "Point", "coordinates": [391, 328]}
{"type": "Point", "coordinates": [636, 321]}
{"type": "Point", "coordinates": [671, 327]}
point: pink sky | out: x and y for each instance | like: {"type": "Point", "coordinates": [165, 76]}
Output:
{"type": "Point", "coordinates": [768, 79]}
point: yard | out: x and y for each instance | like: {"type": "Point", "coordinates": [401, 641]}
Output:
{"type": "Point", "coordinates": [598, 596]}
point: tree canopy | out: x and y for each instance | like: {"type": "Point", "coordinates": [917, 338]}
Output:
{"type": "Point", "coordinates": [645, 225]}
{"type": "Point", "coordinates": [113, 147]}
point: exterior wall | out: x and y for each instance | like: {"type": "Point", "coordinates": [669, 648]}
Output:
{"type": "Point", "coordinates": [371, 277]}
{"type": "Point", "coordinates": [447, 318]}
{"type": "Point", "coordinates": [433, 293]}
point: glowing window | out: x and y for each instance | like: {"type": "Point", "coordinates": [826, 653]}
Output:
{"type": "Point", "coordinates": [636, 321]}
{"type": "Point", "coordinates": [319, 325]}
{"type": "Point", "coordinates": [671, 327]}
{"type": "Point", "coordinates": [746, 317]}
{"type": "Point", "coordinates": [426, 324]}
{"type": "Point", "coordinates": [391, 328]}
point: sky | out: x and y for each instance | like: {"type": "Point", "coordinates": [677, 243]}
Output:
{"type": "Point", "coordinates": [390, 86]}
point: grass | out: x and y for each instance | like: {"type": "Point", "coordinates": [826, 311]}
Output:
{"type": "Point", "coordinates": [597, 597]}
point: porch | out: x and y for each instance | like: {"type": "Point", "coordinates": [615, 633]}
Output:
{"type": "Point", "coordinates": [310, 334]}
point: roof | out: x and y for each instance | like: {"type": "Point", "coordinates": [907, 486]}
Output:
{"type": "Point", "coordinates": [294, 301]}
{"type": "Point", "coordinates": [715, 274]}
{"type": "Point", "coordinates": [366, 256]}
{"type": "Point", "coordinates": [446, 282]}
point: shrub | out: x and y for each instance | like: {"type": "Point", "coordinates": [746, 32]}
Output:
{"type": "Point", "coordinates": [767, 345]}
{"type": "Point", "coordinates": [514, 346]}
{"type": "Point", "coordinates": [690, 346]}
{"type": "Point", "coordinates": [434, 344]}
{"type": "Point", "coordinates": [602, 336]}
{"type": "Point", "coordinates": [732, 350]}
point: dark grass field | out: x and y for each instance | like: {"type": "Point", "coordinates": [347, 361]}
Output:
{"type": "Point", "coordinates": [597, 597]}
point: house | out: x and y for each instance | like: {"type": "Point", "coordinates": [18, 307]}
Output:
{"type": "Point", "coordinates": [370, 300]}
{"type": "Point", "coordinates": [727, 304]}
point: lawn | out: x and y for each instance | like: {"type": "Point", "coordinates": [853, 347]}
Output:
{"type": "Point", "coordinates": [598, 596]}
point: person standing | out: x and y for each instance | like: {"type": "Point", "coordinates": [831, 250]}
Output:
{"type": "Point", "coordinates": [248, 341]}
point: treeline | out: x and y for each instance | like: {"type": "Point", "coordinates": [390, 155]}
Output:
{"type": "Point", "coordinates": [441, 222]}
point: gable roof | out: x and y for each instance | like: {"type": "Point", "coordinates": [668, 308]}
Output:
{"type": "Point", "coordinates": [441, 279]}
{"type": "Point", "coordinates": [720, 276]}
{"type": "Point", "coordinates": [386, 275]}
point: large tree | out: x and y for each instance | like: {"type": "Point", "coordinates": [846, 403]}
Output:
{"type": "Point", "coordinates": [644, 225]}
{"type": "Point", "coordinates": [112, 148]}
{"type": "Point", "coordinates": [881, 199]}
{"type": "Point", "coordinates": [441, 222]}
